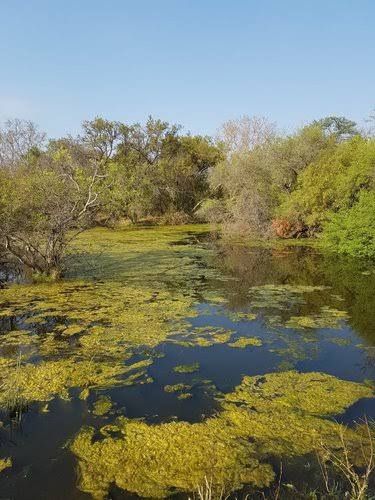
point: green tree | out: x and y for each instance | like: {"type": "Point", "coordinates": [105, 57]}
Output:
{"type": "Point", "coordinates": [332, 183]}
{"type": "Point", "coordinates": [44, 204]}
{"type": "Point", "coordinates": [352, 231]}
{"type": "Point", "coordinates": [339, 126]}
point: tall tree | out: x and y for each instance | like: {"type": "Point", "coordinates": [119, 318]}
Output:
{"type": "Point", "coordinates": [17, 138]}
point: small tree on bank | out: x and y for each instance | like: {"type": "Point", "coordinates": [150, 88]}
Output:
{"type": "Point", "coordinates": [44, 204]}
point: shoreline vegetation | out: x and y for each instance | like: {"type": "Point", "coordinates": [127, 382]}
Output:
{"type": "Point", "coordinates": [316, 183]}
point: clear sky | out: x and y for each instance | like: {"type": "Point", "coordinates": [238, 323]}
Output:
{"type": "Point", "coordinates": [193, 62]}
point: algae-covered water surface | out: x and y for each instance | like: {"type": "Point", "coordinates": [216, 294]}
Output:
{"type": "Point", "coordinates": [168, 357]}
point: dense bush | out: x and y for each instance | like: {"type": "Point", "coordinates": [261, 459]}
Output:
{"type": "Point", "coordinates": [352, 231]}
{"type": "Point", "coordinates": [332, 183]}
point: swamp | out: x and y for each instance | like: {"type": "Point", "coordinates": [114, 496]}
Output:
{"type": "Point", "coordinates": [170, 360]}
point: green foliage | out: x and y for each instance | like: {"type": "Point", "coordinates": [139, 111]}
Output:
{"type": "Point", "coordinates": [333, 183]}
{"type": "Point", "coordinates": [339, 126]}
{"type": "Point", "coordinates": [352, 231]}
{"type": "Point", "coordinates": [248, 184]}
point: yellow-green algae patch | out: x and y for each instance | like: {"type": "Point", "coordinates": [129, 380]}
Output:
{"type": "Point", "coordinates": [185, 395]}
{"type": "Point", "coordinates": [5, 463]}
{"type": "Point", "coordinates": [241, 316]}
{"type": "Point", "coordinates": [326, 318]}
{"type": "Point", "coordinates": [243, 342]}
{"type": "Point", "coordinates": [206, 336]}
{"type": "Point", "coordinates": [280, 296]}
{"type": "Point", "coordinates": [44, 381]}
{"type": "Point", "coordinates": [279, 303]}
{"type": "Point", "coordinates": [138, 290]}
{"type": "Point", "coordinates": [260, 418]}
{"type": "Point", "coordinates": [194, 367]}
{"type": "Point", "coordinates": [177, 387]}
{"type": "Point", "coordinates": [102, 406]}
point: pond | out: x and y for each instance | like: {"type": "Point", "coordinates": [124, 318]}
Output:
{"type": "Point", "coordinates": [168, 357]}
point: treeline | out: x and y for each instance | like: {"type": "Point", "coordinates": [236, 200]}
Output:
{"type": "Point", "coordinates": [317, 182]}
{"type": "Point", "coordinates": [52, 190]}
{"type": "Point", "coordinates": [252, 180]}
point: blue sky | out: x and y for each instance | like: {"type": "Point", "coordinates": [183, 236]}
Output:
{"type": "Point", "coordinates": [193, 62]}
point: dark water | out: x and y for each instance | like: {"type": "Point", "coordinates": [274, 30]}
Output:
{"type": "Point", "coordinates": [44, 468]}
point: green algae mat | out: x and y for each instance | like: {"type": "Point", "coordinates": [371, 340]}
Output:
{"type": "Point", "coordinates": [168, 357]}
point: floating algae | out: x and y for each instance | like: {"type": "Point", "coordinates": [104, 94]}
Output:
{"type": "Point", "coordinates": [5, 463]}
{"type": "Point", "coordinates": [260, 418]}
{"type": "Point", "coordinates": [133, 295]}
{"type": "Point", "coordinates": [185, 395]}
{"type": "Point", "coordinates": [206, 336]}
{"type": "Point", "coordinates": [177, 388]}
{"type": "Point", "coordinates": [243, 342]}
{"type": "Point", "coordinates": [280, 296]}
{"type": "Point", "coordinates": [241, 316]}
{"type": "Point", "coordinates": [78, 333]}
{"type": "Point", "coordinates": [49, 379]}
{"type": "Point", "coordinates": [194, 367]}
{"type": "Point", "coordinates": [102, 406]}
{"type": "Point", "coordinates": [326, 318]}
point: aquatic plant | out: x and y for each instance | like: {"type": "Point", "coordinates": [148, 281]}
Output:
{"type": "Point", "coordinates": [260, 418]}
{"type": "Point", "coordinates": [102, 406]}
{"type": "Point", "coordinates": [326, 318]}
{"type": "Point", "coordinates": [177, 387]}
{"type": "Point", "coordinates": [194, 367]}
{"type": "Point", "coordinates": [5, 463]}
{"type": "Point", "coordinates": [243, 342]}
{"type": "Point", "coordinates": [206, 336]}
{"type": "Point", "coordinates": [49, 379]}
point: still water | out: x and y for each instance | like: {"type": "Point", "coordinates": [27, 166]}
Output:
{"type": "Point", "coordinates": [169, 357]}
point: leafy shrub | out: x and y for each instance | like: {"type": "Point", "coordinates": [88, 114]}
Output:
{"type": "Point", "coordinates": [332, 184]}
{"type": "Point", "coordinates": [175, 218]}
{"type": "Point", "coordinates": [352, 231]}
{"type": "Point", "coordinates": [212, 210]}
